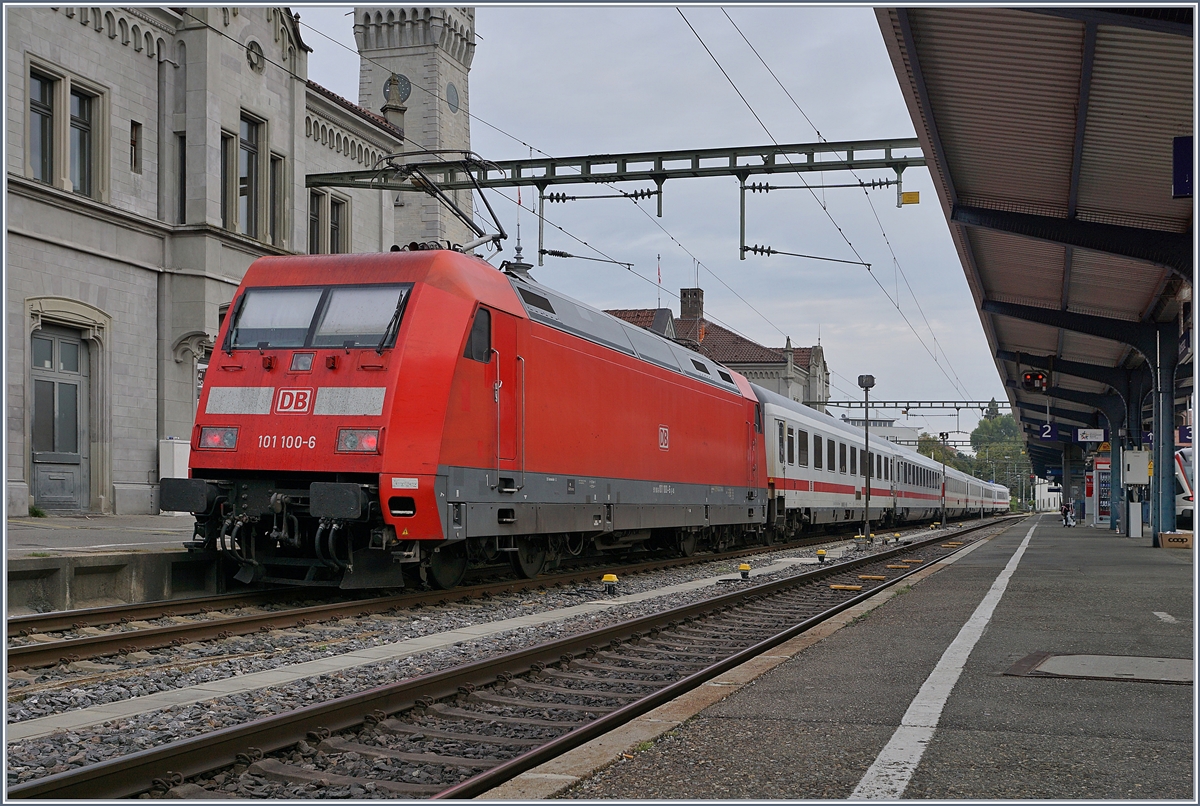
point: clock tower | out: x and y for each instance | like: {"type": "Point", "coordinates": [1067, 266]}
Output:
{"type": "Point", "coordinates": [426, 52]}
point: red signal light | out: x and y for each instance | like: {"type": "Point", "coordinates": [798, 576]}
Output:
{"type": "Point", "coordinates": [224, 439]}
{"type": "Point", "coordinates": [369, 442]}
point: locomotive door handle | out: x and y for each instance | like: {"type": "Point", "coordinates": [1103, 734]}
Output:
{"type": "Point", "coordinates": [521, 358]}
{"type": "Point", "coordinates": [496, 396]}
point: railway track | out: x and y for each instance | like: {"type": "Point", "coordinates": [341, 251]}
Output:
{"type": "Point", "coordinates": [460, 732]}
{"type": "Point", "coordinates": [42, 652]}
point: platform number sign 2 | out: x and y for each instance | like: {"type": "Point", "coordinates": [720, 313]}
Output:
{"type": "Point", "coordinates": [1048, 433]}
{"type": "Point", "coordinates": [664, 438]}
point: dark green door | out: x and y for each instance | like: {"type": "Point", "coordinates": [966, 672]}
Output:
{"type": "Point", "coordinates": [59, 376]}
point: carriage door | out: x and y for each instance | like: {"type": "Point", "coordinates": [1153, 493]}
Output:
{"type": "Point", "coordinates": [59, 376]}
{"type": "Point", "coordinates": [508, 385]}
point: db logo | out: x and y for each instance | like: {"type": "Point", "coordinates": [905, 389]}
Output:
{"type": "Point", "coordinates": [293, 401]}
{"type": "Point", "coordinates": [664, 438]}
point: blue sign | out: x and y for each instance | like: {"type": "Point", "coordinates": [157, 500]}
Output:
{"type": "Point", "coordinates": [1184, 437]}
{"type": "Point", "coordinates": [1181, 173]}
{"type": "Point", "coordinates": [1048, 432]}
{"type": "Point", "coordinates": [1147, 437]}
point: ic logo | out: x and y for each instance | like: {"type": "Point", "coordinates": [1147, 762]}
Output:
{"type": "Point", "coordinates": [293, 401]}
{"type": "Point", "coordinates": [664, 438]}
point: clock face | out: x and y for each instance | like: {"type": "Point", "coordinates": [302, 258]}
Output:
{"type": "Point", "coordinates": [452, 98]}
{"type": "Point", "coordinates": [404, 86]}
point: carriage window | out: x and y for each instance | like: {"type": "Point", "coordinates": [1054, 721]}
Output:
{"type": "Point", "coordinates": [780, 426]}
{"type": "Point", "coordinates": [816, 451]}
{"type": "Point", "coordinates": [842, 457]}
{"type": "Point", "coordinates": [879, 466]}
{"type": "Point", "coordinates": [802, 444]}
{"type": "Point", "coordinates": [791, 446]}
{"type": "Point", "coordinates": [854, 461]}
{"type": "Point", "coordinates": [479, 343]}
{"type": "Point", "coordinates": [831, 455]}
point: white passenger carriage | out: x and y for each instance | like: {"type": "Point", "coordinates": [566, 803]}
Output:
{"type": "Point", "coordinates": [817, 468]}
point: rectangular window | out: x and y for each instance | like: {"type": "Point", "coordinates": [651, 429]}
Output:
{"type": "Point", "coordinates": [880, 466]}
{"type": "Point", "coordinates": [275, 205]}
{"type": "Point", "coordinates": [227, 174]}
{"type": "Point", "coordinates": [479, 341]}
{"type": "Point", "coordinates": [135, 146]}
{"type": "Point", "coordinates": [43, 416]}
{"type": "Point", "coordinates": [854, 461]}
{"type": "Point", "coordinates": [817, 451]}
{"type": "Point", "coordinates": [81, 142]}
{"type": "Point", "coordinates": [780, 427]}
{"type": "Point", "coordinates": [802, 444]}
{"type": "Point", "coordinates": [314, 223]}
{"type": "Point", "coordinates": [181, 177]}
{"type": "Point", "coordinates": [831, 455]}
{"type": "Point", "coordinates": [841, 457]}
{"type": "Point", "coordinates": [248, 178]}
{"type": "Point", "coordinates": [41, 127]}
{"type": "Point", "coordinates": [337, 211]}
{"type": "Point", "coordinates": [791, 446]}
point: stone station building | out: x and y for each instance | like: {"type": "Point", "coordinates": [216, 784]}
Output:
{"type": "Point", "coordinates": [152, 154]}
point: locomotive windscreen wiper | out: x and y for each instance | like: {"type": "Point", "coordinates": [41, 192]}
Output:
{"type": "Point", "coordinates": [393, 323]}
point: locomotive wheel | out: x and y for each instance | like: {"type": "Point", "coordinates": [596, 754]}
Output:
{"type": "Point", "coordinates": [529, 558]}
{"type": "Point", "coordinates": [687, 544]}
{"type": "Point", "coordinates": [448, 565]}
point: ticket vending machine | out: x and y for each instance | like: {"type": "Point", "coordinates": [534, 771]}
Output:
{"type": "Point", "coordinates": [1099, 485]}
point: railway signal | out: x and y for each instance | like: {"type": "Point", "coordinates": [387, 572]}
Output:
{"type": "Point", "coordinates": [1034, 381]}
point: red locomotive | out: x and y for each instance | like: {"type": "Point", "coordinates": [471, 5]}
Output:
{"type": "Point", "coordinates": [369, 414]}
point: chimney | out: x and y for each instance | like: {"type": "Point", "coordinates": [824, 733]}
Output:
{"type": "Point", "coordinates": [691, 303]}
{"type": "Point", "coordinates": [393, 108]}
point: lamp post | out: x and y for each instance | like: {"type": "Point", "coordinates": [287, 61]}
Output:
{"type": "Point", "coordinates": [866, 382]}
{"type": "Point", "coordinates": [945, 436]}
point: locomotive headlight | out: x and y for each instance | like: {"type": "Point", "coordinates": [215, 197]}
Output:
{"type": "Point", "coordinates": [218, 439]}
{"type": "Point", "coordinates": [358, 440]}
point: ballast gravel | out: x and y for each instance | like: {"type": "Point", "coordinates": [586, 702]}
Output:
{"type": "Point", "coordinates": [163, 670]}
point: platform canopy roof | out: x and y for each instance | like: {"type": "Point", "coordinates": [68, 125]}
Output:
{"type": "Point", "coordinates": [1049, 134]}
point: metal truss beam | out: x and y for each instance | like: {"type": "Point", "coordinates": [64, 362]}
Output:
{"type": "Point", "coordinates": [1112, 406]}
{"type": "Point", "coordinates": [1142, 336]}
{"type": "Point", "coordinates": [644, 166]}
{"type": "Point", "coordinates": [1081, 417]}
{"type": "Point", "coordinates": [1177, 21]}
{"type": "Point", "coordinates": [1116, 377]}
{"type": "Point", "coordinates": [1170, 249]}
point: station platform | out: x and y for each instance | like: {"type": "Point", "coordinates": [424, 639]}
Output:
{"type": "Point", "coordinates": [1044, 663]}
{"type": "Point", "coordinates": [96, 533]}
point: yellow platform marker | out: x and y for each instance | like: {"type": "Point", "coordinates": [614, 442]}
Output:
{"type": "Point", "coordinates": [912, 561]}
{"type": "Point", "coordinates": [846, 587]}
{"type": "Point", "coordinates": [897, 566]}
{"type": "Point", "coordinates": [872, 576]}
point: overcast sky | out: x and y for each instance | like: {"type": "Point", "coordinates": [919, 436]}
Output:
{"type": "Point", "coordinates": [571, 81]}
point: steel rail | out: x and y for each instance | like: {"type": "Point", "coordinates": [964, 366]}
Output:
{"type": "Point", "coordinates": [33, 656]}
{"type": "Point", "coordinates": [60, 620]}
{"type": "Point", "coordinates": [135, 773]}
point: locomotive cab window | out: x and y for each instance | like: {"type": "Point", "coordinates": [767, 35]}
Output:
{"type": "Point", "coordinates": [337, 316]}
{"type": "Point", "coordinates": [479, 343]}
